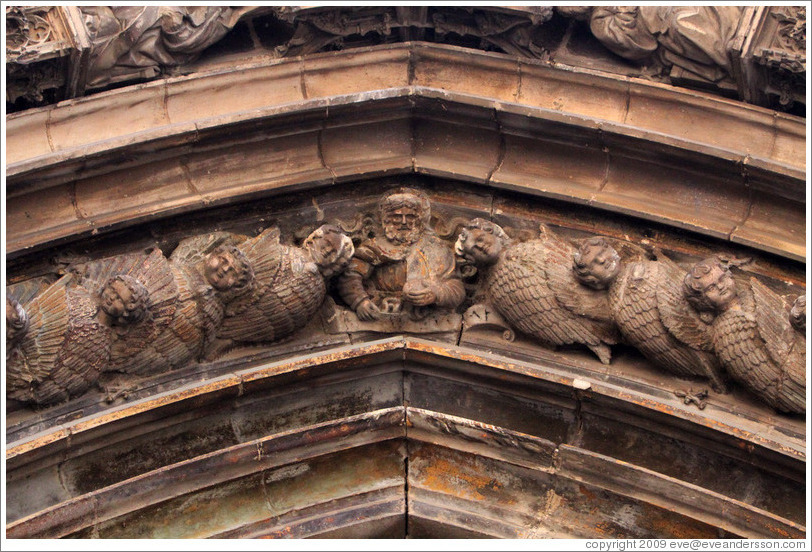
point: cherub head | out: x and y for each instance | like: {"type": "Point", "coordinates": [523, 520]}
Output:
{"type": "Point", "coordinates": [709, 286]}
{"type": "Point", "coordinates": [797, 315]}
{"type": "Point", "coordinates": [481, 242]}
{"type": "Point", "coordinates": [228, 269]}
{"type": "Point", "coordinates": [16, 321]}
{"type": "Point", "coordinates": [596, 263]}
{"type": "Point", "coordinates": [330, 249]}
{"type": "Point", "coordinates": [125, 300]}
{"type": "Point", "coordinates": [405, 214]}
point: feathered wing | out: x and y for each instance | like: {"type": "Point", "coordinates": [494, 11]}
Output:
{"type": "Point", "coordinates": [24, 292]}
{"type": "Point", "coordinates": [772, 322]}
{"type": "Point", "coordinates": [675, 313]}
{"type": "Point", "coordinates": [772, 319]}
{"type": "Point", "coordinates": [65, 348]}
{"type": "Point", "coordinates": [193, 250]}
{"type": "Point", "coordinates": [646, 302]}
{"type": "Point", "coordinates": [520, 290]}
{"type": "Point", "coordinates": [134, 349]}
{"type": "Point", "coordinates": [289, 291]}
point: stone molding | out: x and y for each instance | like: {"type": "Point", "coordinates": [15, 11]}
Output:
{"type": "Point", "coordinates": [539, 130]}
{"type": "Point", "coordinates": [556, 383]}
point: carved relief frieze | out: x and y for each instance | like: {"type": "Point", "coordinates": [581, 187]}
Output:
{"type": "Point", "coordinates": [401, 269]}
{"type": "Point", "coordinates": [752, 334]}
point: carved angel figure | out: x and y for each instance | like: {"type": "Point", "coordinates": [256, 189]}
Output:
{"type": "Point", "coordinates": [57, 343]}
{"type": "Point", "coordinates": [647, 305]}
{"type": "Point", "coordinates": [286, 287]}
{"type": "Point", "coordinates": [532, 286]}
{"type": "Point", "coordinates": [174, 324]}
{"type": "Point", "coordinates": [752, 337]}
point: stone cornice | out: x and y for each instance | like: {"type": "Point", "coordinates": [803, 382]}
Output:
{"type": "Point", "coordinates": [618, 144]}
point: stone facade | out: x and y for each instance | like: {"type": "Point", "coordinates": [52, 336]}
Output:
{"type": "Point", "coordinates": [537, 269]}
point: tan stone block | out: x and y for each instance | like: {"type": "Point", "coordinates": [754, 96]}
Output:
{"type": "Point", "coordinates": [466, 72]}
{"type": "Point", "coordinates": [455, 150]}
{"type": "Point", "coordinates": [573, 92]}
{"type": "Point", "coordinates": [39, 216]}
{"type": "Point", "coordinates": [234, 91]}
{"type": "Point", "coordinates": [688, 199]}
{"type": "Point", "coordinates": [355, 71]}
{"type": "Point", "coordinates": [258, 166]}
{"type": "Point", "coordinates": [774, 224]}
{"type": "Point", "coordinates": [368, 147]}
{"type": "Point", "coordinates": [700, 119]}
{"type": "Point", "coordinates": [108, 116]}
{"type": "Point", "coordinates": [790, 144]}
{"type": "Point", "coordinates": [550, 169]}
{"type": "Point", "coordinates": [26, 135]}
{"type": "Point", "coordinates": [127, 194]}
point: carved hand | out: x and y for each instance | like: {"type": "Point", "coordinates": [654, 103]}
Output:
{"type": "Point", "coordinates": [420, 293]}
{"type": "Point", "coordinates": [367, 311]}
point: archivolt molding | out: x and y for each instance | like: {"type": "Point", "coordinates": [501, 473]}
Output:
{"type": "Point", "coordinates": [540, 131]}
{"type": "Point", "coordinates": [558, 392]}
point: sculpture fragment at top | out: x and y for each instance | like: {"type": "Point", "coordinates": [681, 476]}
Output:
{"type": "Point", "coordinates": [138, 41]}
{"type": "Point", "coordinates": [696, 38]}
{"type": "Point", "coordinates": [757, 53]}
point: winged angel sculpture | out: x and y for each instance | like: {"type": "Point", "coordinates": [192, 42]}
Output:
{"type": "Point", "coordinates": [532, 286]}
{"type": "Point", "coordinates": [752, 334]}
{"type": "Point", "coordinates": [645, 298]}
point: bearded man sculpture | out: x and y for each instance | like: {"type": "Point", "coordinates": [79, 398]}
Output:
{"type": "Point", "coordinates": [407, 270]}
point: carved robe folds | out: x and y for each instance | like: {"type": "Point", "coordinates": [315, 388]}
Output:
{"type": "Point", "coordinates": [380, 269]}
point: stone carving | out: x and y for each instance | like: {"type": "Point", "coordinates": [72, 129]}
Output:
{"type": "Point", "coordinates": [510, 33]}
{"type": "Point", "coordinates": [791, 34]}
{"type": "Point", "coordinates": [694, 38]}
{"type": "Point", "coordinates": [509, 30]}
{"type": "Point", "coordinates": [406, 272]}
{"type": "Point", "coordinates": [797, 315]}
{"type": "Point", "coordinates": [532, 286]}
{"type": "Point", "coordinates": [26, 28]}
{"type": "Point", "coordinates": [58, 345]}
{"type": "Point", "coordinates": [647, 304]}
{"type": "Point", "coordinates": [275, 289]}
{"type": "Point", "coordinates": [752, 335]}
{"type": "Point", "coordinates": [141, 41]}
{"type": "Point", "coordinates": [172, 326]}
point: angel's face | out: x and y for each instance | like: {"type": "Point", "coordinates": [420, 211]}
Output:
{"type": "Point", "coordinates": [480, 246]}
{"type": "Point", "coordinates": [598, 266]}
{"type": "Point", "coordinates": [118, 301]}
{"type": "Point", "coordinates": [718, 288]}
{"type": "Point", "coordinates": [329, 250]}
{"type": "Point", "coordinates": [221, 270]}
{"type": "Point", "coordinates": [797, 316]}
{"type": "Point", "coordinates": [16, 320]}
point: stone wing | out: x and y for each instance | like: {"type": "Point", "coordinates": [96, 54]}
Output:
{"type": "Point", "coordinates": [521, 292]}
{"type": "Point", "coordinates": [280, 307]}
{"type": "Point", "coordinates": [48, 319]}
{"type": "Point", "coordinates": [133, 349]}
{"type": "Point", "coordinates": [193, 250]}
{"type": "Point", "coordinates": [66, 347]}
{"type": "Point", "coordinates": [676, 315]}
{"type": "Point", "coordinates": [25, 291]}
{"type": "Point", "coordinates": [772, 321]}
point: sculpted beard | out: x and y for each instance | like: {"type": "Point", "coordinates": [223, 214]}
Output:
{"type": "Point", "coordinates": [402, 236]}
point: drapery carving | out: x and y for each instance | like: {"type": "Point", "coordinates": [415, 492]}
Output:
{"type": "Point", "coordinates": [142, 41]}
{"type": "Point", "coordinates": [695, 38]}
